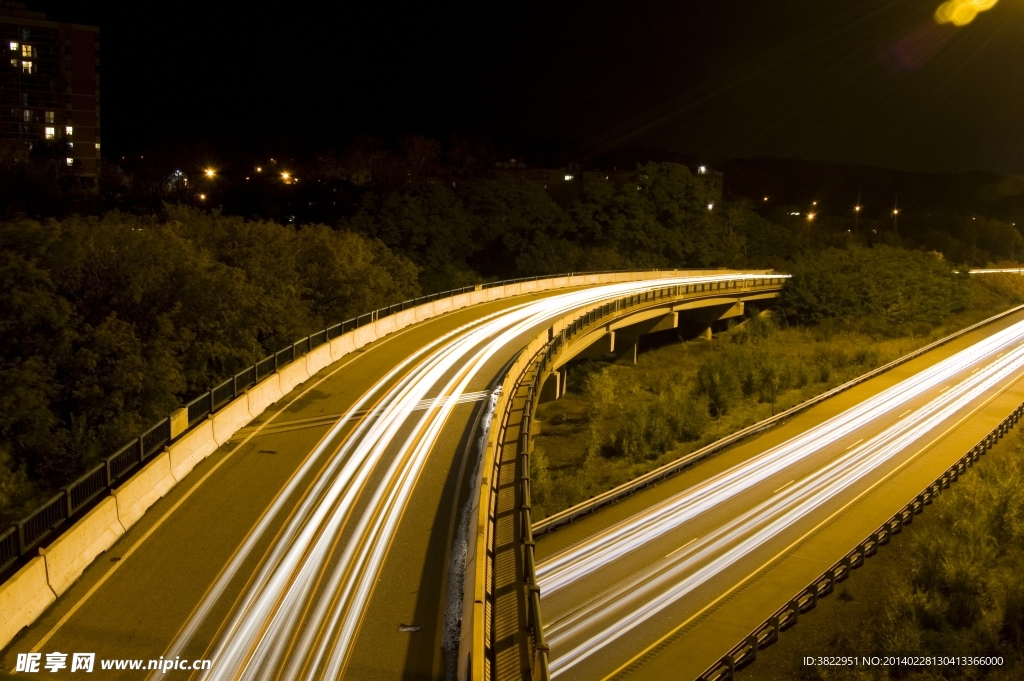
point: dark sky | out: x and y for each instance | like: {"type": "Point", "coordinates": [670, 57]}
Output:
{"type": "Point", "coordinates": [863, 81]}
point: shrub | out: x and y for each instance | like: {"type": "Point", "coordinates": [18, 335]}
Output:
{"type": "Point", "coordinates": [717, 381]}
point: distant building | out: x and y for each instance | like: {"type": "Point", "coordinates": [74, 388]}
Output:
{"type": "Point", "coordinates": [50, 86]}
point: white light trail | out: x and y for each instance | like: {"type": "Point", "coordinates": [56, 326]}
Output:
{"type": "Point", "coordinates": [299, 614]}
{"type": "Point", "coordinates": [632, 533]}
{"type": "Point", "coordinates": [617, 610]}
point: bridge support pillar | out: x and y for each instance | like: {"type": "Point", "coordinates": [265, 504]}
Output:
{"type": "Point", "coordinates": [554, 386]}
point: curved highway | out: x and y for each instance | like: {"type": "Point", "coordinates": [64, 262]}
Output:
{"type": "Point", "coordinates": [317, 543]}
{"type": "Point", "coordinates": [620, 595]}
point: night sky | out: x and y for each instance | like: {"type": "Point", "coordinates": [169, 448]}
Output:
{"type": "Point", "coordinates": [863, 81]}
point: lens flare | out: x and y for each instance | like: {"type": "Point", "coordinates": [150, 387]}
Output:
{"type": "Point", "coordinates": [962, 12]}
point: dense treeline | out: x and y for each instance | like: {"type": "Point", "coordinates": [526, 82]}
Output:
{"type": "Point", "coordinates": [109, 323]}
{"type": "Point", "coordinates": [509, 227]}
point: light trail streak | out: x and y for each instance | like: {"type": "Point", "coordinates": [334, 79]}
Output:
{"type": "Point", "coordinates": [635, 600]}
{"type": "Point", "coordinates": [621, 539]}
{"type": "Point", "coordinates": [299, 615]}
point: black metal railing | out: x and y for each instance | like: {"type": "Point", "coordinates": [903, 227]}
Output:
{"type": "Point", "coordinates": [538, 365]}
{"type": "Point", "coordinates": [40, 525]}
{"type": "Point", "coordinates": [767, 632]}
{"type": "Point", "coordinates": [86, 488]}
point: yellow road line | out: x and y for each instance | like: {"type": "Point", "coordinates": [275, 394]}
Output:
{"type": "Point", "coordinates": [681, 548]}
{"type": "Point", "coordinates": [860, 440]}
{"type": "Point", "coordinates": [817, 527]}
{"type": "Point", "coordinates": [88, 594]}
{"type": "Point", "coordinates": [784, 486]}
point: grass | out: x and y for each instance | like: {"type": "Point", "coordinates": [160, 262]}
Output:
{"type": "Point", "coordinates": [947, 585]}
{"type": "Point", "coordinates": [619, 420]}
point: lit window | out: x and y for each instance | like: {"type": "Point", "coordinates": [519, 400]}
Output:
{"type": "Point", "coordinates": [49, 117]}
{"type": "Point", "coordinates": [14, 63]}
{"type": "Point", "coordinates": [68, 130]}
{"type": "Point", "coordinates": [50, 133]}
{"type": "Point", "coordinates": [26, 66]}
{"type": "Point", "coordinates": [97, 145]}
{"type": "Point", "coordinates": [26, 50]}
{"type": "Point", "coordinates": [702, 170]}
{"type": "Point", "coordinates": [71, 147]}
{"type": "Point", "coordinates": [71, 161]}
{"type": "Point", "coordinates": [14, 47]}
{"type": "Point", "coordinates": [568, 178]}
{"type": "Point", "coordinates": [26, 115]}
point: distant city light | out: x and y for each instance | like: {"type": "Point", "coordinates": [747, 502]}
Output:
{"type": "Point", "coordinates": [702, 170]}
{"type": "Point", "coordinates": [202, 197]}
{"type": "Point", "coordinates": [810, 216]}
{"type": "Point", "coordinates": [711, 205]}
{"type": "Point", "coordinates": [210, 172]}
{"type": "Point", "coordinates": [766, 198]}
{"type": "Point", "coordinates": [857, 209]}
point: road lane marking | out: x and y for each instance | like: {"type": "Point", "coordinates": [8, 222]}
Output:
{"type": "Point", "coordinates": [855, 444]}
{"type": "Point", "coordinates": [904, 413]}
{"type": "Point", "coordinates": [95, 587]}
{"type": "Point", "coordinates": [784, 486]}
{"type": "Point", "coordinates": [681, 548]}
{"type": "Point", "coordinates": [813, 530]}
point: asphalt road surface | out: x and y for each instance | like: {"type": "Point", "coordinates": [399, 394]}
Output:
{"type": "Point", "coordinates": [664, 584]}
{"type": "Point", "coordinates": [316, 543]}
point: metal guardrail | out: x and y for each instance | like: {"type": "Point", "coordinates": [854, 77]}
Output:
{"type": "Point", "coordinates": [674, 467]}
{"type": "Point", "coordinates": [538, 364]}
{"type": "Point", "coordinates": [768, 632]}
{"type": "Point", "coordinates": [29, 533]}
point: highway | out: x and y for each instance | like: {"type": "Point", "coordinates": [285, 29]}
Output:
{"type": "Point", "coordinates": [317, 543]}
{"type": "Point", "coordinates": [649, 587]}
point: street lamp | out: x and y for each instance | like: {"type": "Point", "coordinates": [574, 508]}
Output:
{"type": "Point", "coordinates": [210, 172]}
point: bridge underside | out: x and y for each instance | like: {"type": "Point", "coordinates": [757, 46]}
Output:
{"type": "Point", "coordinates": [621, 336]}
{"type": "Point", "coordinates": [514, 652]}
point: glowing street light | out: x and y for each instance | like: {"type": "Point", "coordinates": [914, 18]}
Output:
{"type": "Point", "coordinates": [210, 172]}
{"type": "Point", "coordinates": [202, 197]}
{"type": "Point", "coordinates": [259, 169]}
{"type": "Point", "coordinates": [810, 217]}
{"type": "Point", "coordinates": [286, 176]}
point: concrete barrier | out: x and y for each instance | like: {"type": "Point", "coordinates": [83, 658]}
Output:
{"type": "Point", "coordinates": [198, 444]}
{"type": "Point", "coordinates": [425, 311]}
{"type": "Point", "coordinates": [72, 551]}
{"type": "Point", "coordinates": [318, 358]}
{"type": "Point", "coordinates": [364, 335]}
{"type": "Point", "coordinates": [230, 419]}
{"type": "Point", "coordinates": [385, 326]}
{"type": "Point", "coordinates": [143, 489]}
{"type": "Point", "coordinates": [405, 318]}
{"type": "Point", "coordinates": [23, 598]}
{"type": "Point", "coordinates": [341, 346]}
{"type": "Point", "coordinates": [460, 301]}
{"type": "Point", "coordinates": [443, 305]}
{"type": "Point", "coordinates": [264, 394]}
{"type": "Point", "coordinates": [292, 375]}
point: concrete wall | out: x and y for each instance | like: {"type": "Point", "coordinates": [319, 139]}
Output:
{"type": "Point", "coordinates": [143, 489]}
{"type": "Point", "coordinates": [72, 551]}
{"type": "Point", "coordinates": [23, 598]}
{"type": "Point", "coordinates": [35, 586]}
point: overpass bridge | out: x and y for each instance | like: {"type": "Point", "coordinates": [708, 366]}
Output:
{"type": "Point", "coordinates": [334, 519]}
{"type": "Point", "coordinates": [695, 568]}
